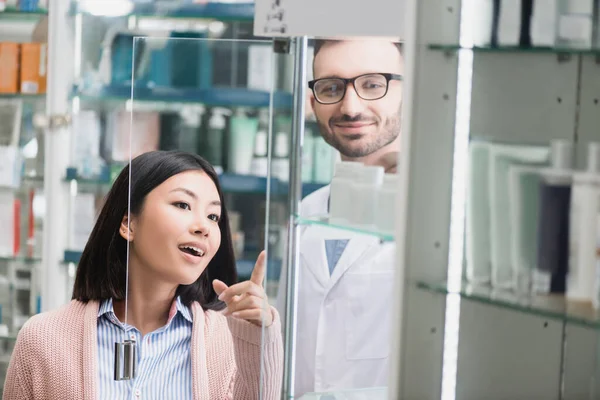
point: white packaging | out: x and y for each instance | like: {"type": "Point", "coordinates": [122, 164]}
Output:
{"type": "Point", "coordinates": [86, 149]}
{"type": "Point", "coordinates": [387, 199]}
{"type": "Point", "coordinates": [365, 188]}
{"type": "Point", "coordinates": [509, 25]}
{"type": "Point", "coordinates": [543, 23]}
{"type": "Point", "coordinates": [585, 204]}
{"type": "Point", "coordinates": [84, 215]}
{"type": "Point", "coordinates": [281, 162]}
{"type": "Point", "coordinates": [11, 164]}
{"type": "Point", "coordinates": [340, 208]}
{"type": "Point", "coordinates": [501, 158]}
{"type": "Point", "coordinates": [260, 163]}
{"type": "Point", "coordinates": [482, 24]}
{"type": "Point", "coordinates": [7, 222]}
{"type": "Point", "coordinates": [261, 74]}
{"type": "Point", "coordinates": [575, 24]}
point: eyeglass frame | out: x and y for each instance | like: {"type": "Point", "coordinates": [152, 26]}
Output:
{"type": "Point", "coordinates": [388, 77]}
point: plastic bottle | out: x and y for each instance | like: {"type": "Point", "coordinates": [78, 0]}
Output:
{"type": "Point", "coordinates": [215, 135]}
{"type": "Point", "coordinates": [365, 190]}
{"type": "Point", "coordinates": [340, 208]}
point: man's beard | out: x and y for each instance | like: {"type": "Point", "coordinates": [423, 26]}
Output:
{"type": "Point", "coordinates": [389, 133]}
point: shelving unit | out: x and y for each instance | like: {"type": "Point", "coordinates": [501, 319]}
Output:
{"type": "Point", "coordinates": [210, 10]}
{"type": "Point", "coordinates": [171, 98]}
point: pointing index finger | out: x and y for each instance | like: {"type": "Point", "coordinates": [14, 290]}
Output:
{"type": "Point", "coordinates": [258, 274]}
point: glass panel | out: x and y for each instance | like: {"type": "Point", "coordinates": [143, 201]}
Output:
{"type": "Point", "coordinates": [196, 132]}
{"type": "Point", "coordinates": [345, 275]}
{"type": "Point", "coordinates": [524, 199]}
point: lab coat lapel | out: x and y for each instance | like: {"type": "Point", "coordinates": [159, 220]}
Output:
{"type": "Point", "coordinates": [312, 250]}
{"type": "Point", "coordinates": [358, 245]}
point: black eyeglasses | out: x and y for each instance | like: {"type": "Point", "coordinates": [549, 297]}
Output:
{"type": "Point", "coordinates": [367, 87]}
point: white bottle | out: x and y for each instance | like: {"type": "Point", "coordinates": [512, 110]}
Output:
{"type": "Point", "coordinates": [387, 200]}
{"type": "Point", "coordinates": [340, 193]}
{"type": "Point", "coordinates": [585, 202]}
{"type": "Point", "coordinates": [281, 162]}
{"type": "Point", "coordinates": [365, 191]}
{"type": "Point", "coordinates": [260, 163]}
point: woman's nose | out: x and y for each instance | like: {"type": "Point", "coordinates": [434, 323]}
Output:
{"type": "Point", "coordinates": [200, 227]}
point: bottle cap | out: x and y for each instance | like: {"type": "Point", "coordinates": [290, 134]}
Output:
{"type": "Point", "coordinates": [561, 155]}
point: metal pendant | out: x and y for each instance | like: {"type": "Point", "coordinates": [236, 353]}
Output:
{"type": "Point", "coordinates": [125, 360]}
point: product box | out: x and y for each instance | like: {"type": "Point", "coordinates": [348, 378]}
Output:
{"type": "Point", "coordinates": [9, 67]}
{"type": "Point", "coordinates": [33, 68]}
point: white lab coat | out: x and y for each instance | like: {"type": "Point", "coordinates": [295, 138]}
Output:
{"type": "Point", "coordinates": [344, 320]}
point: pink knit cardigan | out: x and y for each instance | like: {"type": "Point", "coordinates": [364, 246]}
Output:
{"type": "Point", "coordinates": [55, 357]}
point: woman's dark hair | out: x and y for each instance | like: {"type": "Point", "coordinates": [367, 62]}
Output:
{"type": "Point", "coordinates": [101, 273]}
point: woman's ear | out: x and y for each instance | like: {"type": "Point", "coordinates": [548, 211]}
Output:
{"type": "Point", "coordinates": [126, 229]}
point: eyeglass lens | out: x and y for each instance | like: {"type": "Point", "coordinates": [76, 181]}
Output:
{"type": "Point", "coordinates": [368, 87]}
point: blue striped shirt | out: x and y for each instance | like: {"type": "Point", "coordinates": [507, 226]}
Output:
{"type": "Point", "coordinates": [164, 367]}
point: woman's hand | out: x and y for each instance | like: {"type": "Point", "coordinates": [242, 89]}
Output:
{"type": "Point", "coordinates": [247, 300]}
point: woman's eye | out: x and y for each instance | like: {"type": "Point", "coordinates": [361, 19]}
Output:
{"type": "Point", "coordinates": [214, 217]}
{"type": "Point", "coordinates": [182, 205]}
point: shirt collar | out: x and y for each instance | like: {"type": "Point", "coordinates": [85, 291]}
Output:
{"type": "Point", "coordinates": [106, 307]}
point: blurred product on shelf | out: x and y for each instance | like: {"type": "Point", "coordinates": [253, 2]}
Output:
{"type": "Point", "coordinates": [23, 68]}
{"type": "Point", "coordinates": [261, 72]}
{"type": "Point", "coordinates": [2, 7]}
{"type": "Point", "coordinates": [33, 68]}
{"type": "Point", "coordinates": [10, 222]}
{"type": "Point", "coordinates": [83, 217]}
{"type": "Point", "coordinates": [237, 234]}
{"type": "Point", "coordinates": [502, 156]}
{"type": "Point", "coordinates": [86, 147]}
{"type": "Point", "coordinates": [9, 67]}
{"type": "Point", "coordinates": [260, 161]}
{"type": "Point", "coordinates": [280, 166]}
{"type": "Point", "coordinates": [142, 128]}
{"type": "Point", "coordinates": [29, 5]}
{"type": "Point", "coordinates": [325, 158]}
{"type": "Point", "coordinates": [212, 147]}
{"type": "Point", "coordinates": [575, 23]}
{"type": "Point", "coordinates": [242, 133]}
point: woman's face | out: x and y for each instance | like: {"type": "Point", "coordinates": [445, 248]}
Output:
{"type": "Point", "coordinates": [177, 232]}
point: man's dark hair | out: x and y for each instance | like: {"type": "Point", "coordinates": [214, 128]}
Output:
{"type": "Point", "coordinates": [101, 273]}
{"type": "Point", "coordinates": [318, 43]}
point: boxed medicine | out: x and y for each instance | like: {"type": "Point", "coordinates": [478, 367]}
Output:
{"type": "Point", "coordinates": [9, 67]}
{"type": "Point", "coordinates": [33, 68]}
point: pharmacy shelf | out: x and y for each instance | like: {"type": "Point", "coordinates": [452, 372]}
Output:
{"type": "Point", "coordinates": [210, 10]}
{"type": "Point", "coordinates": [554, 307]}
{"type": "Point", "coordinates": [324, 222]}
{"type": "Point", "coordinates": [515, 49]}
{"type": "Point", "coordinates": [22, 260]}
{"type": "Point", "coordinates": [167, 98]}
{"type": "Point", "coordinates": [230, 183]}
{"type": "Point", "coordinates": [14, 14]}
{"type": "Point", "coordinates": [8, 338]}
{"type": "Point", "coordinates": [22, 96]}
